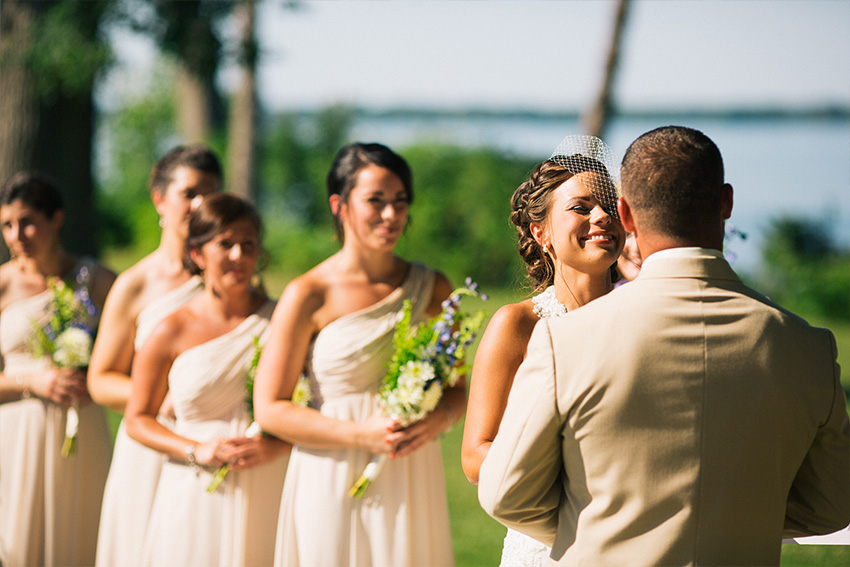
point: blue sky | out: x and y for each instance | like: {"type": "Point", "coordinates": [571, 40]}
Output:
{"type": "Point", "coordinates": [541, 55]}
{"type": "Point", "coordinates": [548, 55]}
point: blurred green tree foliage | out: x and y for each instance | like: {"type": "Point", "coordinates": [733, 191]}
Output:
{"type": "Point", "coordinates": [459, 215]}
{"type": "Point", "coordinates": [134, 136]}
{"type": "Point", "coordinates": [804, 271]}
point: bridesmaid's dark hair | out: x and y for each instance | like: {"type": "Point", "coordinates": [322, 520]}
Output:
{"type": "Point", "coordinates": [195, 156]}
{"type": "Point", "coordinates": [36, 190]}
{"type": "Point", "coordinates": [351, 159]}
{"type": "Point", "coordinates": [215, 213]}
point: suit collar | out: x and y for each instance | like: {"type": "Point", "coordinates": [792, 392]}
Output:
{"type": "Point", "coordinates": [702, 263]}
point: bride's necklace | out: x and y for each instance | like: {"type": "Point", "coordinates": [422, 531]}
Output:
{"type": "Point", "coordinates": [547, 305]}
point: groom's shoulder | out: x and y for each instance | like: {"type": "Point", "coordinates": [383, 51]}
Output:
{"type": "Point", "coordinates": [598, 313]}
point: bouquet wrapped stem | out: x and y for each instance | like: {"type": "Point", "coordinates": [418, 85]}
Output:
{"type": "Point", "coordinates": [370, 473]}
{"type": "Point", "coordinates": [221, 473]}
{"type": "Point", "coordinates": [72, 424]}
{"type": "Point", "coordinates": [428, 358]}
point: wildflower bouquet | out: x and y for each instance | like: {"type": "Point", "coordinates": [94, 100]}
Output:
{"type": "Point", "coordinates": [301, 396]}
{"type": "Point", "coordinates": [428, 358]}
{"type": "Point", "coordinates": [67, 339]}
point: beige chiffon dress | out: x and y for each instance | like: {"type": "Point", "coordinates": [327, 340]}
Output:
{"type": "Point", "coordinates": [235, 525]}
{"type": "Point", "coordinates": [49, 504]}
{"type": "Point", "coordinates": [135, 469]}
{"type": "Point", "coordinates": [403, 518]}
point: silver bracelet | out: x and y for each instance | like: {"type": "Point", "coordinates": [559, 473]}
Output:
{"type": "Point", "coordinates": [190, 458]}
{"type": "Point", "coordinates": [25, 391]}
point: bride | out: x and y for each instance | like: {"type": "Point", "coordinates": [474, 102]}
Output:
{"type": "Point", "coordinates": [570, 237]}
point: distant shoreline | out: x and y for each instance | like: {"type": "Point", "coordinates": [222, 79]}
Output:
{"type": "Point", "coordinates": [825, 112]}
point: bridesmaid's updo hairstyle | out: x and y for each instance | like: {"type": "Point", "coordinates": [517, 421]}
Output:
{"type": "Point", "coordinates": [212, 217]}
{"type": "Point", "coordinates": [194, 156]}
{"type": "Point", "coordinates": [532, 202]}
{"type": "Point", "coordinates": [351, 159]}
{"type": "Point", "coordinates": [35, 190]}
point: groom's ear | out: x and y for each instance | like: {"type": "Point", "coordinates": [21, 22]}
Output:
{"type": "Point", "coordinates": [625, 212]}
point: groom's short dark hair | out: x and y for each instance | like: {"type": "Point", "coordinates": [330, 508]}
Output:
{"type": "Point", "coordinates": [672, 179]}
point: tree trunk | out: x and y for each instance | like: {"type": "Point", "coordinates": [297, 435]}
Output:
{"type": "Point", "coordinates": [193, 105]}
{"type": "Point", "coordinates": [18, 102]}
{"type": "Point", "coordinates": [596, 119]}
{"type": "Point", "coordinates": [48, 125]}
{"type": "Point", "coordinates": [191, 39]}
{"type": "Point", "coordinates": [241, 147]}
{"type": "Point", "coordinates": [64, 151]}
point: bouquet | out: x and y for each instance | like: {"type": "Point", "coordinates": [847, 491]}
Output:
{"type": "Point", "coordinates": [67, 339]}
{"type": "Point", "coordinates": [301, 396]}
{"type": "Point", "coordinates": [428, 358]}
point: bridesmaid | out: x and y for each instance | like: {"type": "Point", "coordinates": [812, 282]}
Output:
{"type": "Point", "coordinates": [49, 504]}
{"type": "Point", "coordinates": [201, 355]}
{"type": "Point", "coordinates": [144, 294]}
{"type": "Point", "coordinates": [336, 323]}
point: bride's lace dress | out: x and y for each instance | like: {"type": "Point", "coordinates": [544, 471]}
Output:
{"type": "Point", "coordinates": [520, 550]}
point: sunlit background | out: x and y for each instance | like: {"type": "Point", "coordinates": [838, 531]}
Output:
{"type": "Point", "coordinates": [534, 66]}
{"type": "Point", "coordinates": [473, 94]}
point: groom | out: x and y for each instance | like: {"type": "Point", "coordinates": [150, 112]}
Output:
{"type": "Point", "coordinates": [683, 419]}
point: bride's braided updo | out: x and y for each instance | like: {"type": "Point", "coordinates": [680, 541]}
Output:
{"type": "Point", "coordinates": [531, 203]}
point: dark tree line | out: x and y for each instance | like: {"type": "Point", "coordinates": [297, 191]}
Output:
{"type": "Point", "coordinates": [52, 54]}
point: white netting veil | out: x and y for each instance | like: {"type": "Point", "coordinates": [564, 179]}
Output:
{"type": "Point", "coordinates": [579, 154]}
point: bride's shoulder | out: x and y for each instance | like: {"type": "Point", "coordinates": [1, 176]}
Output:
{"type": "Point", "coordinates": [516, 319]}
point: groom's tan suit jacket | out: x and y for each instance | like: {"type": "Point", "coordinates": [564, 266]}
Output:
{"type": "Point", "coordinates": [683, 419]}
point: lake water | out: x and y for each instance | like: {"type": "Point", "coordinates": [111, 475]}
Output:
{"type": "Point", "coordinates": [797, 167]}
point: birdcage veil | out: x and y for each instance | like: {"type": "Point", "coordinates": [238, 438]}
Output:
{"type": "Point", "coordinates": [579, 154]}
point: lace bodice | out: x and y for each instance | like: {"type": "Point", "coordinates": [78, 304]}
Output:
{"type": "Point", "coordinates": [546, 304]}
{"type": "Point", "coordinates": [519, 550]}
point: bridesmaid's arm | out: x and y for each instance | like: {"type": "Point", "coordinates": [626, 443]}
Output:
{"type": "Point", "coordinates": [112, 357]}
{"type": "Point", "coordinates": [497, 359]}
{"type": "Point", "coordinates": [149, 387]}
{"type": "Point", "coordinates": [283, 358]}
